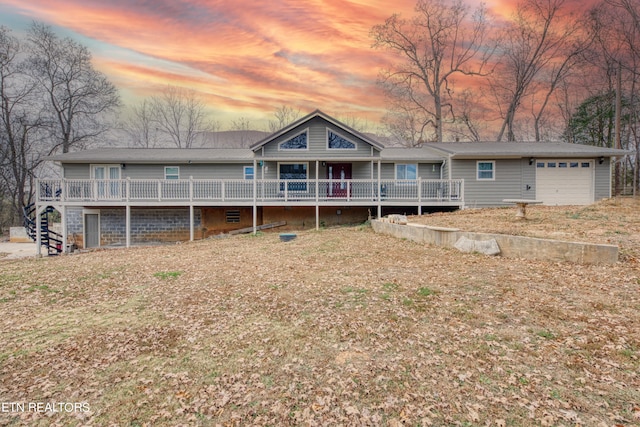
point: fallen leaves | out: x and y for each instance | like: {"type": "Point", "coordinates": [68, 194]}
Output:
{"type": "Point", "coordinates": [340, 326]}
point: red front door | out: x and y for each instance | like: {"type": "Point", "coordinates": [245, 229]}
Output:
{"type": "Point", "coordinates": [338, 175]}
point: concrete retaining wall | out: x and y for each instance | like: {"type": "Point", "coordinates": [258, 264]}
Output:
{"type": "Point", "coordinates": [510, 246]}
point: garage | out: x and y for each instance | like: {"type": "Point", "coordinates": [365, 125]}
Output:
{"type": "Point", "coordinates": [565, 181]}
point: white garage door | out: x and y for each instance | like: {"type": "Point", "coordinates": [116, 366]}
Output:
{"type": "Point", "coordinates": [565, 182]}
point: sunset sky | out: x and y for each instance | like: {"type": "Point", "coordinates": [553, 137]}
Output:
{"type": "Point", "coordinates": [246, 58]}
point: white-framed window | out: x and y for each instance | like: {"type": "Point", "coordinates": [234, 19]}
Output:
{"type": "Point", "coordinates": [291, 171]}
{"type": "Point", "coordinates": [336, 141]}
{"type": "Point", "coordinates": [171, 172]}
{"type": "Point", "coordinates": [406, 171]}
{"type": "Point", "coordinates": [108, 172]}
{"type": "Point", "coordinates": [104, 173]}
{"type": "Point", "coordinates": [248, 172]}
{"type": "Point", "coordinates": [298, 142]}
{"type": "Point", "coordinates": [485, 170]}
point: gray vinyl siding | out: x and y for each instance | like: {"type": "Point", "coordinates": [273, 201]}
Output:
{"type": "Point", "coordinates": [528, 180]}
{"type": "Point", "coordinates": [602, 188]}
{"type": "Point", "coordinates": [507, 184]}
{"type": "Point", "coordinates": [317, 143]}
{"type": "Point", "coordinates": [138, 171]}
{"type": "Point", "coordinates": [429, 170]}
{"type": "Point", "coordinates": [197, 171]}
{"type": "Point", "coordinates": [446, 168]}
{"type": "Point", "coordinates": [76, 171]}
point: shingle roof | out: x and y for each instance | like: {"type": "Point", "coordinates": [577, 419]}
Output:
{"type": "Point", "coordinates": [431, 151]}
{"type": "Point", "coordinates": [155, 155]}
{"type": "Point", "coordinates": [461, 150]}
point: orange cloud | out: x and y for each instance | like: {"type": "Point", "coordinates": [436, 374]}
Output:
{"type": "Point", "coordinates": [260, 55]}
{"type": "Point", "coordinates": [243, 56]}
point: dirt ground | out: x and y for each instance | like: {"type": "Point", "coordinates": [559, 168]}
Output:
{"type": "Point", "coordinates": [338, 327]}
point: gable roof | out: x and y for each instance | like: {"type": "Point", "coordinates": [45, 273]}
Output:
{"type": "Point", "coordinates": [470, 150]}
{"type": "Point", "coordinates": [309, 117]}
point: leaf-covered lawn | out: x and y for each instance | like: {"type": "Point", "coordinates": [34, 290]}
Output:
{"type": "Point", "coordinates": [339, 326]}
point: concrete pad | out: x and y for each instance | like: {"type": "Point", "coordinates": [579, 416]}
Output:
{"type": "Point", "coordinates": [9, 250]}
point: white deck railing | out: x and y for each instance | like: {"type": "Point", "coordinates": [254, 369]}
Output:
{"type": "Point", "coordinates": [229, 190]}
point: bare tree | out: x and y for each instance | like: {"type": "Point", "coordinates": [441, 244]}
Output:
{"type": "Point", "coordinates": [78, 96]}
{"type": "Point", "coordinates": [539, 48]}
{"type": "Point", "coordinates": [140, 125]}
{"type": "Point", "coordinates": [283, 116]}
{"type": "Point", "coordinates": [467, 127]}
{"type": "Point", "coordinates": [180, 115]}
{"type": "Point", "coordinates": [15, 118]}
{"type": "Point", "coordinates": [242, 128]}
{"type": "Point", "coordinates": [439, 42]}
{"type": "Point", "coordinates": [616, 28]}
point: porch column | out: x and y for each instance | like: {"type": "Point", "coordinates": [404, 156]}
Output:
{"type": "Point", "coordinates": [255, 197]}
{"type": "Point", "coordinates": [317, 196]}
{"type": "Point", "coordinates": [379, 193]}
{"type": "Point", "coordinates": [127, 225]}
{"type": "Point", "coordinates": [191, 221]}
{"type": "Point", "coordinates": [38, 233]}
{"type": "Point", "coordinates": [419, 195]}
{"type": "Point", "coordinates": [63, 219]}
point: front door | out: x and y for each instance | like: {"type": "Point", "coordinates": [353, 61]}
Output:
{"type": "Point", "coordinates": [338, 175]}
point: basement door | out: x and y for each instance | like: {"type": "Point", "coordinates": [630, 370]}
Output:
{"type": "Point", "coordinates": [338, 175]}
{"type": "Point", "coordinates": [91, 230]}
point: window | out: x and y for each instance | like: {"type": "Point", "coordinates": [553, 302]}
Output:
{"type": "Point", "coordinates": [105, 173]}
{"type": "Point", "coordinates": [407, 171]}
{"type": "Point", "coordinates": [585, 165]}
{"type": "Point", "coordinates": [171, 172]}
{"type": "Point", "coordinates": [540, 164]}
{"type": "Point", "coordinates": [248, 172]}
{"type": "Point", "coordinates": [293, 171]}
{"type": "Point", "coordinates": [573, 164]}
{"type": "Point", "coordinates": [562, 164]}
{"type": "Point", "coordinates": [298, 142]}
{"type": "Point", "coordinates": [338, 142]}
{"type": "Point", "coordinates": [551, 164]}
{"type": "Point", "coordinates": [486, 170]}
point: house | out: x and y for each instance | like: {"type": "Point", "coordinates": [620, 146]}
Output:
{"type": "Point", "coordinates": [316, 171]}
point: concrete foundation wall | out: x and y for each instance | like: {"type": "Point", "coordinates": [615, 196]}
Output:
{"type": "Point", "coordinates": [304, 217]}
{"type": "Point", "coordinates": [147, 225]}
{"type": "Point", "coordinates": [510, 246]}
{"type": "Point", "coordinates": [214, 220]}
